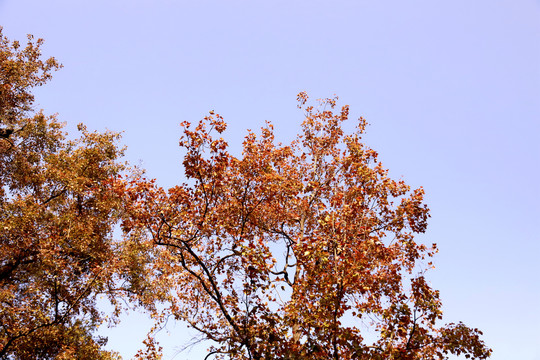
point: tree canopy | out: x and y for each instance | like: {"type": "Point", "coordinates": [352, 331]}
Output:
{"type": "Point", "coordinates": [289, 251]}
{"type": "Point", "coordinates": [298, 251]}
{"type": "Point", "coordinates": [58, 212]}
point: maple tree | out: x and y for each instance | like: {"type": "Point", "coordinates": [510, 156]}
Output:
{"type": "Point", "coordinates": [58, 212]}
{"type": "Point", "coordinates": [299, 251]}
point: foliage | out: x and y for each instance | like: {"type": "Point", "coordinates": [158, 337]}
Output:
{"type": "Point", "coordinates": [293, 251]}
{"type": "Point", "coordinates": [57, 215]}
{"type": "Point", "coordinates": [299, 251]}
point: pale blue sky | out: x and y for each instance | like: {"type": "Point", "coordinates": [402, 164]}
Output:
{"type": "Point", "coordinates": [451, 89]}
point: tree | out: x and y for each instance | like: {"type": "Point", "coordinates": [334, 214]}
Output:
{"type": "Point", "coordinates": [293, 251]}
{"type": "Point", "coordinates": [286, 252]}
{"type": "Point", "coordinates": [58, 208]}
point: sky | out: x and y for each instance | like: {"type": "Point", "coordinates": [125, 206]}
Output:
{"type": "Point", "coordinates": [451, 90]}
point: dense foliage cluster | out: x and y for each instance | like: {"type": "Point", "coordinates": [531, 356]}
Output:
{"type": "Point", "coordinates": [57, 213]}
{"type": "Point", "coordinates": [285, 252]}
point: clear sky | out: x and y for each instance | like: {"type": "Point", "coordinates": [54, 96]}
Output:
{"type": "Point", "coordinates": [451, 89]}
